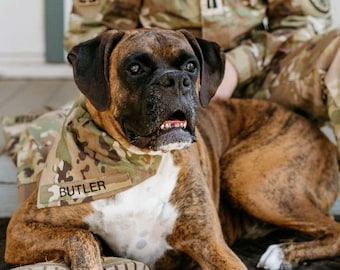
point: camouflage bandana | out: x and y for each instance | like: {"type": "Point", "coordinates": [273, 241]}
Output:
{"type": "Point", "coordinates": [86, 164]}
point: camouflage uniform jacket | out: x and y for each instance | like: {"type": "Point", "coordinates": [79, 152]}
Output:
{"type": "Point", "coordinates": [250, 31]}
{"type": "Point", "coordinates": [86, 164]}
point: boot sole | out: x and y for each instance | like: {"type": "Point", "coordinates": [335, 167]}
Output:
{"type": "Point", "coordinates": [109, 263]}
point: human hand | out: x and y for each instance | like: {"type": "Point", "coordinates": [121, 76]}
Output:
{"type": "Point", "coordinates": [228, 83]}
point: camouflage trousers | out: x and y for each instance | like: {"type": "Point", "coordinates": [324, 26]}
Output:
{"type": "Point", "coordinates": [306, 81]}
{"type": "Point", "coordinates": [29, 139]}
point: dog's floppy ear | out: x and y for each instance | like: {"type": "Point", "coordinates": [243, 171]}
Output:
{"type": "Point", "coordinates": [212, 60]}
{"type": "Point", "coordinates": [91, 62]}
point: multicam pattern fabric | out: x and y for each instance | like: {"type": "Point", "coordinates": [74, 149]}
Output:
{"type": "Point", "coordinates": [306, 81]}
{"type": "Point", "coordinates": [251, 31]}
{"type": "Point", "coordinates": [86, 164]}
{"type": "Point", "coordinates": [89, 18]}
{"type": "Point", "coordinates": [29, 139]}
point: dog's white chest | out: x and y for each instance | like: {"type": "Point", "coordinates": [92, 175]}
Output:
{"type": "Point", "coordinates": [136, 222]}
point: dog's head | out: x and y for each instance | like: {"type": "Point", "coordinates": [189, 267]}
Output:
{"type": "Point", "coordinates": [142, 86]}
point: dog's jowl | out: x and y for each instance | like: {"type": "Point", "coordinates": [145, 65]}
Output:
{"type": "Point", "coordinates": [162, 174]}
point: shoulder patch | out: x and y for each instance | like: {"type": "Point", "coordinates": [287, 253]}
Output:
{"type": "Point", "coordinates": [82, 3]}
{"type": "Point", "coordinates": [88, 9]}
{"type": "Point", "coordinates": [317, 8]}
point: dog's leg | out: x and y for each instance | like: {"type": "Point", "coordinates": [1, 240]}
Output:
{"type": "Point", "coordinates": [305, 217]}
{"type": "Point", "coordinates": [203, 241]}
{"type": "Point", "coordinates": [76, 247]}
{"type": "Point", "coordinates": [37, 235]}
{"type": "Point", "coordinates": [323, 228]}
{"type": "Point", "coordinates": [197, 231]}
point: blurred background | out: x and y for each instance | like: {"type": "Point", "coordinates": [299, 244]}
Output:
{"type": "Point", "coordinates": [34, 75]}
{"type": "Point", "coordinates": [32, 38]}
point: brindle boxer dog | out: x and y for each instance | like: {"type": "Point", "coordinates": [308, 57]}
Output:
{"type": "Point", "coordinates": [236, 168]}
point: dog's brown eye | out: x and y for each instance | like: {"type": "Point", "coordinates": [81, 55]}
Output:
{"type": "Point", "coordinates": [135, 68]}
{"type": "Point", "coordinates": [190, 67]}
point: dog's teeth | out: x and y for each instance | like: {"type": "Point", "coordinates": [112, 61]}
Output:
{"type": "Point", "coordinates": [182, 124]}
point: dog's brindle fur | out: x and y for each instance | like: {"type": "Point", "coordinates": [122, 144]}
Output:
{"type": "Point", "coordinates": [255, 165]}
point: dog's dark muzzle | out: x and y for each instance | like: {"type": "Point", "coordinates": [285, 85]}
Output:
{"type": "Point", "coordinates": [167, 115]}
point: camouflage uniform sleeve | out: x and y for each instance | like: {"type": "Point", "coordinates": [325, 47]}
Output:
{"type": "Point", "coordinates": [288, 24]}
{"type": "Point", "coordinates": [90, 18]}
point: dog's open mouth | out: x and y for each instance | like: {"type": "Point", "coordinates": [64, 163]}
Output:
{"type": "Point", "coordinates": [176, 121]}
{"type": "Point", "coordinates": [173, 133]}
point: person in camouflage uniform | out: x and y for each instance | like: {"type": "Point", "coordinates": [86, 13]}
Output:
{"type": "Point", "coordinates": [281, 50]}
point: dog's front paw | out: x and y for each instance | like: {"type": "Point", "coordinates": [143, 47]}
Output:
{"type": "Point", "coordinates": [273, 259]}
{"type": "Point", "coordinates": [83, 252]}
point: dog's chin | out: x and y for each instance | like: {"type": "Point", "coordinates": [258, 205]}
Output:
{"type": "Point", "coordinates": [173, 139]}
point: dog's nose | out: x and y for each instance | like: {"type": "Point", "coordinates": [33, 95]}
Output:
{"type": "Point", "coordinates": [177, 81]}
